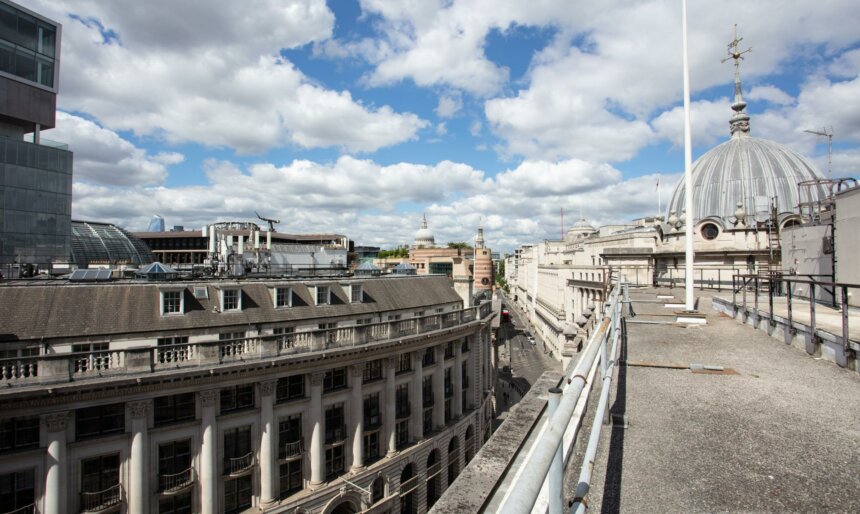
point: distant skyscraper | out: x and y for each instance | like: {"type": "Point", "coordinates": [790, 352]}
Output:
{"type": "Point", "coordinates": [156, 224]}
{"type": "Point", "coordinates": [35, 225]}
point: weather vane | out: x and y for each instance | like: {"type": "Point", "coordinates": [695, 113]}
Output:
{"type": "Point", "coordinates": [740, 121]}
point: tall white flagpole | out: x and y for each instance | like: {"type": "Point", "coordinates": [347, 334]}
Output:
{"type": "Point", "coordinates": [688, 172]}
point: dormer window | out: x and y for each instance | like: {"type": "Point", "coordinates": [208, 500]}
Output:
{"type": "Point", "coordinates": [172, 302]}
{"type": "Point", "coordinates": [356, 293]}
{"type": "Point", "coordinates": [231, 300]}
{"type": "Point", "coordinates": [283, 297]}
{"type": "Point", "coordinates": [323, 295]}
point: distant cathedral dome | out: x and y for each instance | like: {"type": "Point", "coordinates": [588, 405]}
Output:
{"type": "Point", "coordinates": [745, 171]}
{"type": "Point", "coordinates": [424, 238]}
{"type": "Point", "coordinates": [579, 230]}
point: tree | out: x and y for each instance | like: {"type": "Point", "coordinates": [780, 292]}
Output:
{"type": "Point", "coordinates": [461, 245]}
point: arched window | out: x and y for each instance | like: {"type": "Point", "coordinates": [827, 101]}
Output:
{"type": "Point", "coordinates": [377, 490]}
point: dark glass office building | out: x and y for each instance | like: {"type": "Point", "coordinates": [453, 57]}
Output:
{"type": "Point", "coordinates": [35, 174]}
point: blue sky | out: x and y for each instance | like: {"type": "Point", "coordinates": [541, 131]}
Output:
{"type": "Point", "coordinates": [357, 116]}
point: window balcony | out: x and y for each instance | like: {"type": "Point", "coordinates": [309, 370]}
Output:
{"type": "Point", "coordinates": [101, 501]}
{"type": "Point", "coordinates": [27, 509]}
{"type": "Point", "coordinates": [293, 450]}
{"type": "Point", "coordinates": [335, 435]}
{"type": "Point", "coordinates": [169, 485]}
{"type": "Point", "coordinates": [403, 410]}
{"type": "Point", "coordinates": [239, 466]}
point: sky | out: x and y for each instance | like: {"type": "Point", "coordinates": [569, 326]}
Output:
{"type": "Point", "coordinates": [358, 116]}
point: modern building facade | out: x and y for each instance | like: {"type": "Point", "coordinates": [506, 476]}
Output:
{"type": "Point", "coordinates": [348, 395]}
{"type": "Point", "coordinates": [35, 177]}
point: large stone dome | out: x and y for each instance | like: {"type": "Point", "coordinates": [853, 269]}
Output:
{"type": "Point", "coordinates": [740, 170]}
{"type": "Point", "coordinates": [424, 238]}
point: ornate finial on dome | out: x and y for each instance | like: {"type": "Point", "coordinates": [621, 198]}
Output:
{"type": "Point", "coordinates": [424, 220]}
{"type": "Point", "coordinates": [740, 122]}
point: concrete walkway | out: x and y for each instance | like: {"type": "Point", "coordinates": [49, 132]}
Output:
{"type": "Point", "coordinates": [783, 434]}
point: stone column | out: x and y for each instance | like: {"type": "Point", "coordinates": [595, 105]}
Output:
{"type": "Point", "coordinates": [390, 400]}
{"type": "Point", "coordinates": [417, 418]}
{"type": "Point", "coordinates": [317, 451]}
{"type": "Point", "coordinates": [55, 465]}
{"type": "Point", "coordinates": [268, 447]}
{"type": "Point", "coordinates": [209, 470]}
{"type": "Point", "coordinates": [138, 470]}
{"type": "Point", "coordinates": [439, 388]}
{"type": "Point", "coordinates": [457, 379]}
{"type": "Point", "coordinates": [356, 410]}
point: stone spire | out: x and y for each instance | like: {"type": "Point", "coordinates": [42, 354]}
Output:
{"type": "Point", "coordinates": [740, 122]}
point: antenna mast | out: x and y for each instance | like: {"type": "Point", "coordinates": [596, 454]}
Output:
{"type": "Point", "coordinates": [829, 136]}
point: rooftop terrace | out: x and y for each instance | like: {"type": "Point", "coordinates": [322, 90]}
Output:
{"type": "Point", "coordinates": [775, 430]}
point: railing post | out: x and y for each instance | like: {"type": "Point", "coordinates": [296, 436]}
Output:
{"type": "Point", "coordinates": [755, 302]}
{"type": "Point", "coordinates": [770, 300]}
{"type": "Point", "coordinates": [556, 471]}
{"type": "Point", "coordinates": [788, 302]}
{"type": "Point", "coordinates": [812, 307]}
{"type": "Point", "coordinates": [846, 344]}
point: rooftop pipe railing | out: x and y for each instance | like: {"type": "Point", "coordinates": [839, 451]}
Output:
{"type": "Point", "coordinates": [545, 461]}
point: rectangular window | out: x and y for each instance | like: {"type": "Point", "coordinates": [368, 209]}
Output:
{"type": "Point", "coordinates": [17, 490]}
{"type": "Point", "coordinates": [465, 346]}
{"type": "Point", "coordinates": [404, 363]}
{"type": "Point", "coordinates": [334, 379]}
{"type": "Point", "coordinates": [401, 405]}
{"type": "Point", "coordinates": [371, 447]}
{"type": "Point", "coordinates": [447, 410]}
{"type": "Point", "coordinates": [372, 416]}
{"type": "Point", "coordinates": [237, 494]}
{"type": "Point", "coordinates": [283, 297]}
{"type": "Point", "coordinates": [363, 321]}
{"type": "Point", "coordinates": [100, 482]}
{"type": "Point", "coordinates": [372, 370]}
{"type": "Point", "coordinates": [290, 441]}
{"type": "Point", "coordinates": [394, 317]}
{"type": "Point", "coordinates": [290, 388]}
{"type": "Point", "coordinates": [100, 420]}
{"type": "Point", "coordinates": [176, 504]}
{"type": "Point", "coordinates": [334, 461]}
{"type": "Point", "coordinates": [171, 302]}
{"type": "Point", "coordinates": [323, 293]}
{"type": "Point", "coordinates": [174, 465]}
{"type": "Point", "coordinates": [231, 336]}
{"type": "Point", "coordinates": [356, 293]}
{"type": "Point", "coordinates": [19, 434]}
{"type": "Point", "coordinates": [91, 357]}
{"type": "Point", "coordinates": [174, 408]}
{"type": "Point", "coordinates": [237, 447]}
{"type": "Point", "coordinates": [237, 398]}
{"type": "Point", "coordinates": [429, 357]}
{"type": "Point", "coordinates": [418, 314]}
{"type": "Point", "coordinates": [427, 390]}
{"type": "Point", "coordinates": [428, 420]}
{"type": "Point", "coordinates": [335, 430]}
{"type": "Point", "coordinates": [402, 433]}
{"type": "Point", "coordinates": [291, 477]}
{"type": "Point", "coordinates": [231, 299]}
{"type": "Point", "coordinates": [449, 350]}
{"type": "Point", "coordinates": [327, 326]}
{"type": "Point", "coordinates": [449, 383]}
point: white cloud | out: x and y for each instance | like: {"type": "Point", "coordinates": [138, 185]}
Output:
{"type": "Point", "coordinates": [449, 105]}
{"type": "Point", "coordinates": [475, 128]}
{"type": "Point", "coordinates": [102, 156]}
{"type": "Point", "coordinates": [213, 76]}
{"type": "Point", "coordinates": [771, 94]}
{"type": "Point", "coordinates": [709, 122]}
{"type": "Point", "coordinates": [441, 129]}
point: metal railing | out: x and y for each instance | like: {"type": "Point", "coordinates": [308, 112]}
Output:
{"type": "Point", "coordinates": [433, 470]}
{"type": "Point", "coordinates": [176, 481]}
{"type": "Point", "coordinates": [64, 367]}
{"type": "Point", "coordinates": [101, 500]}
{"type": "Point", "coordinates": [26, 509]}
{"type": "Point", "coordinates": [335, 435]}
{"type": "Point", "coordinates": [410, 485]}
{"type": "Point", "coordinates": [294, 449]}
{"type": "Point", "coordinates": [794, 288]}
{"type": "Point", "coordinates": [238, 465]}
{"type": "Point", "coordinates": [545, 462]}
